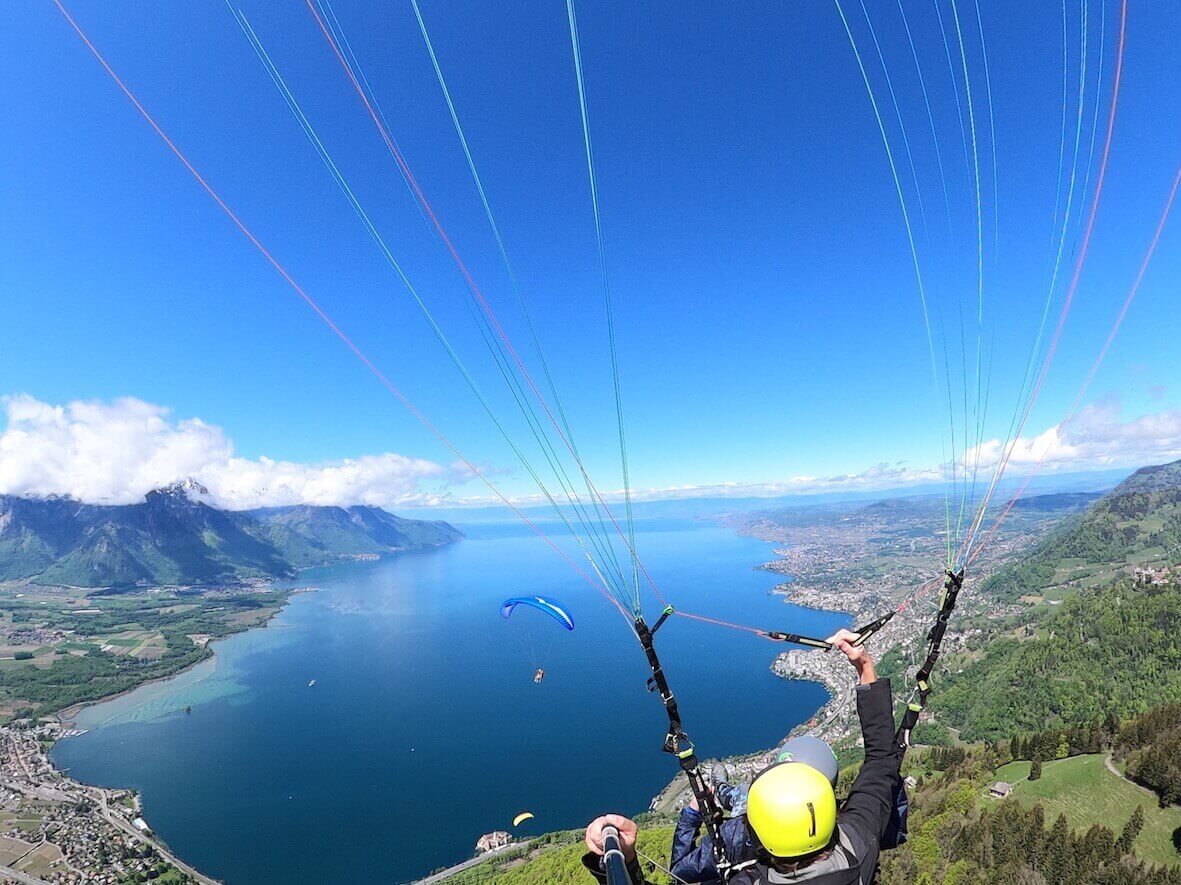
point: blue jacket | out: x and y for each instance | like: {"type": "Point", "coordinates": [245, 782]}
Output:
{"type": "Point", "coordinates": [693, 860]}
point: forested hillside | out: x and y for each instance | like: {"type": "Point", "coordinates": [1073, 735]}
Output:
{"type": "Point", "coordinates": [1115, 649]}
{"type": "Point", "coordinates": [1138, 522]}
{"type": "Point", "coordinates": [1070, 817]}
{"type": "Point", "coordinates": [1151, 749]}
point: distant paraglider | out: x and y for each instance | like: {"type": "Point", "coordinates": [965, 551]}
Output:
{"type": "Point", "coordinates": [522, 817]}
{"type": "Point", "coordinates": [549, 607]}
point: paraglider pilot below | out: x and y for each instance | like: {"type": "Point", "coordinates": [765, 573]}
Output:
{"type": "Point", "coordinates": [791, 830]}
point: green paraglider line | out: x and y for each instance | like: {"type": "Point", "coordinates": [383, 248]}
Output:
{"type": "Point", "coordinates": [608, 304]}
{"type": "Point", "coordinates": [485, 307]}
{"type": "Point", "coordinates": [599, 525]}
{"type": "Point", "coordinates": [318, 310]}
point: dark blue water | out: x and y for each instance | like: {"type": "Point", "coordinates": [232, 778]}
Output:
{"type": "Point", "coordinates": [424, 728]}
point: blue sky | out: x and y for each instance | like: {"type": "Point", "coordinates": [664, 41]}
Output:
{"type": "Point", "coordinates": [767, 314]}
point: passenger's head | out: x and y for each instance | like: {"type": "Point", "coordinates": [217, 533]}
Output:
{"type": "Point", "coordinates": [811, 751]}
{"type": "Point", "coordinates": [792, 812]}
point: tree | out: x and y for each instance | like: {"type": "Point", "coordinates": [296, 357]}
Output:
{"type": "Point", "coordinates": [1131, 830]}
{"type": "Point", "coordinates": [1035, 770]}
{"type": "Point", "coordinates": [1056, 857]}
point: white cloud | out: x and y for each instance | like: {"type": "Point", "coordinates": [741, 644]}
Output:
{"type": "Point", "coordinates": [879, 476]}
{"type": "Point", "coordinates": [114, 452]}
{"type": "Point", "coordinates": [1097, 437]}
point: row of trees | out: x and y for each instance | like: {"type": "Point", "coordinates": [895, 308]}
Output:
{"type": "Point", "coordinates": [1151, 744]}
{"type": "Point", "coordinates": [1058, 743]}
{"type": "Point", "coordinates": [1011, 843]}
{"type": "Point", "coordinates": [1038, 746]}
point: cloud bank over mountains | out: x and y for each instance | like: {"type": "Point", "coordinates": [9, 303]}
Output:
{"type": "Point", "coordinates": [116, 451]}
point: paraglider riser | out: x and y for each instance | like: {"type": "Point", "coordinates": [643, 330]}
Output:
{"type": "Point", "coordinates": [951, 590]}
{"type": "Point", "coordinates": [677, 743]}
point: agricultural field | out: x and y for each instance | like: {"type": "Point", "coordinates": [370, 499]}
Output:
{"type": "Point", "coordinates": [64, 646]}
{"type": "Point", "coordinates": [1083, 789]}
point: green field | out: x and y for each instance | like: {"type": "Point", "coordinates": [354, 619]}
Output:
{"type": "Point", "coordinates": [1084, 790]}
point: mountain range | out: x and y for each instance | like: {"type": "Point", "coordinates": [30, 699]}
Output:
{"type": "Point", "coordinates": [173, 537]}
{"type": "Point", "coordinates": [1136, 523]}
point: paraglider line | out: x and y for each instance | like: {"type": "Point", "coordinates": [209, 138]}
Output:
{"type": "Point", "coordinates": [400, 160]}
{"type": "Point", "coordinates": [314, 305]}
{"type": "Point", "coordinates": [1070, 414]}
{"type": "Point", "coordinates": [601, 528]}
{"type": "Point", "coordinates": [594, 194]}
{"type": "Point", "coordinates": [1078, 267]}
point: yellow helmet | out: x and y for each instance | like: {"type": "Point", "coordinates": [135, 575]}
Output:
{"type": "Point", "coordinates": [792, 809]}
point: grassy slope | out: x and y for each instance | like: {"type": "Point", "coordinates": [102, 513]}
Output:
{"type": "Point", "coordinates": [561, 863]}
{"type": "Point", "coordinates": [1084, 790]}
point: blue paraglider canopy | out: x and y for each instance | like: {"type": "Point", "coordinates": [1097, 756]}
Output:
{"type": "Point", "coordinates": [551, 607]}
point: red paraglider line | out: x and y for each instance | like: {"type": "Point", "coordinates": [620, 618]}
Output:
{"type": "Point", "coordinates": [1098, 360]}
{"type": "Point", "coordinates": [404, 167]}
{"type": "Point", "coordinates": [328, 321]}
{"type": "Point", "coordinates": [720, 623]}
{"type": "Point", "coordinates": [1078, 265]}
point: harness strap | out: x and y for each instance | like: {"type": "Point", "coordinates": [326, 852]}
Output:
{"type": "Point", "coordinates": [678, 744]}
{"type": "Point", "coordinates": [922, 678]}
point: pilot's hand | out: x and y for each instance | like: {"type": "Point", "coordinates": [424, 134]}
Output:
{"type": "Point", "coordinates": [858, 655]}
{"type": "Point", "coordinates": [628, 831]}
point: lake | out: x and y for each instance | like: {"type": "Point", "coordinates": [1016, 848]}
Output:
{"type": "Point", "coordinates": [424, 728]}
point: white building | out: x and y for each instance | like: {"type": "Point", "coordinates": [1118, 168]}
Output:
{"type": "Point", "coordinates": [492, 841]}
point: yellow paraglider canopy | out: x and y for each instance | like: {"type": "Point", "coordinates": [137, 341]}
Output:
{"type": "Point", "coordinates": [522, 817]}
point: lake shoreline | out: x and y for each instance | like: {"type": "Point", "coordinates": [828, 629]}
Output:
{"type": "Point", "coordinates": [469, 578]}
{"type": "Point", "coordinates": [59, 778]}
{"type": "Point", "coordinates": [67, 717]}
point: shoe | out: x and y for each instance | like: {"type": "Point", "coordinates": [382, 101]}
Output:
{"type": "Point", "coordinates": [719, 773]}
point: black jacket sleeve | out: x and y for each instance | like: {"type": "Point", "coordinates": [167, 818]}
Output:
{"type": "Point", "coordinates": [594, 866]}
{"type": "Point", "coordinates": [867, 810]}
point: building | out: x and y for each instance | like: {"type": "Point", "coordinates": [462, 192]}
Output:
{"type": "Point", "coordinates": [1000, 790]}
{"type": "Point", "coordinates": [493, 841]}
{"type": "Point", "coordinates": [1151, 577]}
